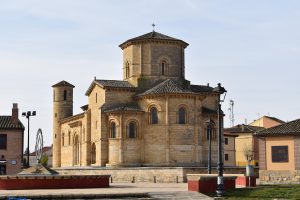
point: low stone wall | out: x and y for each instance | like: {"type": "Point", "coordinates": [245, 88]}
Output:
{"type": "Point", "coordinates": [267, 177]}
{"type": "Point", "coordinates": [146, 174]}
{"type": "Point", "coordinates": [130, 174]}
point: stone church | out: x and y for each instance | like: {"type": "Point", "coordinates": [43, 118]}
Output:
{"type": "Point", "coordinates": [153, 117]}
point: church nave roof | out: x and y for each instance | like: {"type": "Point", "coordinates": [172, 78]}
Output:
{"type": "Point", "coordinates": [170, 86]}
{"type": "Point", "coordinates": [115, 107]}
{"type": "Point", "coordinates": [110, 84]}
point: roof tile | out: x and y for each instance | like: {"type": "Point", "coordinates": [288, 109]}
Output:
{"type": "Point", "coordinates": [289, 128]}
{"type": "Point", "coordinates": [6, 123]}
{"type": "Point", "coordinates": [115, 107]}
{"type": "Point", "coordinates": [154, 36]}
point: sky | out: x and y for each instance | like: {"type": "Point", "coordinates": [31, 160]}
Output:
{"type": "Point", "coordinates": [252, 47]}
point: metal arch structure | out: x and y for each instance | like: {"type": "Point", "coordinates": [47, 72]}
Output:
{"type": "Point", "coordinates": [39, 145]}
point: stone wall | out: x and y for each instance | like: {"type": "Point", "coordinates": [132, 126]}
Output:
{"type": "Point", "coordinates": [279, 177]}
{"type": "Point", "coordinates": [147, 174]}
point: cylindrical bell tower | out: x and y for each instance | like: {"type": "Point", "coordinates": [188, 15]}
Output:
{"type": "Point", "coordinates": [62, 108]}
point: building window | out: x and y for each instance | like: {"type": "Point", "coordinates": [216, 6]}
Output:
{"type": "Point", "coordinates": [96, 97]}
{"type": "Point", "coordinates": [280, 154]}
{"type": "Point", "coordinates": [3, 141]}
{"type": "Point", "coordinates": [182, 115]}
{"type": "Point", "coordinates": [65, 95]}
{"type": "Point", "coordinates": [163, 68]}
{"type": "Point", "coordinates": [226, 156]}
{"type": "Point", "coordinates": [212, 131]}
{"type": "Point", "coordinates": [226, 140]}
{"type": "Point", "coordinates": [93, 154]}
{"type": "Point", "coordinates": [113, 130]}
{"type": "Point", "coordinates": [76, 150]}
{"type": "Point", "coordinates": [132, 130]}
{"type": "Point", "coordinates": [127, 70]}
{"type": "Point", "coordinates": [153, 116]}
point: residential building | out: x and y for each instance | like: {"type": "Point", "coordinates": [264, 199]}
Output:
{"type": "Point", "coordinates": [11, 142]}
{"type": "Point", "coordinates": [279, 153]}
{"type": "Point", "coordinates": [244, 143]}
{"type": "Point", "coordinates": [267, 122]}
{"type": "Point", "coordinates": [229, 149]}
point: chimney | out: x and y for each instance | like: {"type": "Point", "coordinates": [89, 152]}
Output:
{"type": "Point", "coordinates": [15, 114]}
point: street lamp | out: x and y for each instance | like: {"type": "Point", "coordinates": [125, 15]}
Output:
{"type": "Point", "coordinates": [220, 184]}
{"type": "Point", "coordinates": [210, 124]}
{"type": "Point", "coordinates": [27, 115]}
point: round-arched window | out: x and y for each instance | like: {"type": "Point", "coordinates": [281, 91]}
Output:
{"type": "Point", "coordinates": [153, 116]}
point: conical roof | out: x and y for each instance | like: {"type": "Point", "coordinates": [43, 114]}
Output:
{"type": "Point", "coordinates": [63, 83]}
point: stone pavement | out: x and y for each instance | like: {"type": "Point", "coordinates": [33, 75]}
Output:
{"type": "Point", "coordinates": [164, 191]}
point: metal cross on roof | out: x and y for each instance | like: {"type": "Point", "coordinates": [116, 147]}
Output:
{"type": "Point", "coordinates": [153, 25]}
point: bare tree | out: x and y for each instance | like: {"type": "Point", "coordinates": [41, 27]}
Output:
{"type": "Point", "coordinates": [248, 153]}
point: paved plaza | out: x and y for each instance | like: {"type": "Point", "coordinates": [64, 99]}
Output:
{"type": "Point", "coordinates": [165, 191]}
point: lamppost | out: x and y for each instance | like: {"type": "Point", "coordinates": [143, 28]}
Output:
{"type": "Point", "coordinates": [210, 123]}
{"type": "Point", "coordinates": [220, 184]}
{"type": "Point", "coordinates": [27, 115]}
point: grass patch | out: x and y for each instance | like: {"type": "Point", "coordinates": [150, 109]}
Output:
{"type": "Point", "coordinates": [265, 192]}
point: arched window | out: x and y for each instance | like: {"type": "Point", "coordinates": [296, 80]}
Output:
{"type": "Point", "coordinates": [163, 68]}
{"type": "Point", "coordinates": [65, 95]}
{"type": "Point", "coordinates": [76, 150]}
{"type": "Point", "coordinates": [211, 130]}
{"type": "Point", "coordinates": [132, 130]}
{"type": "Point", "coordinates": [113, 130]}
{"type": "Point", "coordinates": [127, 70]}
{"type": "Point", "coordinates": [153, 116]}
{"type": "Point", "coordinates": [182, 115]}
{"type": "Point", "coordinates": [93, 153]}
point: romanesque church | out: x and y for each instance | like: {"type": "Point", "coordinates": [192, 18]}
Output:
{"type": "Point", "coordinates": [153, 117]}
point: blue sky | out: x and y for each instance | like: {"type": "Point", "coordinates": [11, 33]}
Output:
{"type": "Point", "coordinates": [252, 47]}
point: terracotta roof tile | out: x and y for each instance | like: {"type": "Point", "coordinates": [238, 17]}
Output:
{"type": "Point", "coordinates": [171, 86]}
{"type": "Point", "coordinates": [110, 84]}
{"type": "Point", "coordinates": [114, 83]}
{"type": "Point", "coordinates": [242, 128]}
{"type": "Point", "coordinates": [289, 128]}
{"type": "Point", "coordinates": [166, 87]}
{"type": "Point", "coordinates": [6, 123]}
{"type": "Point", "coordinates": [115, 107]}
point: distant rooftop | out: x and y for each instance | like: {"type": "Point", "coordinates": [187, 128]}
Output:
{"type": "Point", "coordinates": [243, 128]}
{"type": "Point", "coordinates": [63, 83]}
{"type": "Point", "coordinates": [289, 128]}
{"type": "Point", "coordinates": [6, 123]}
